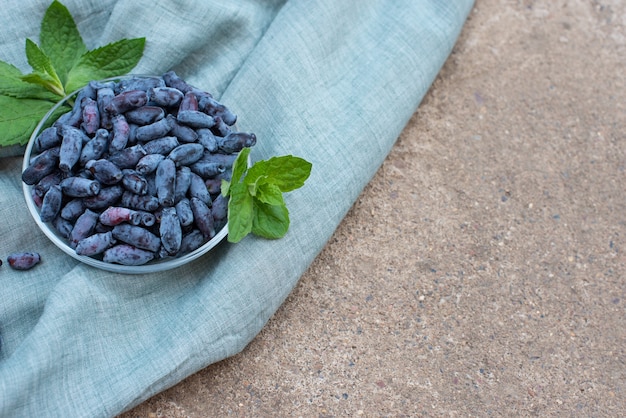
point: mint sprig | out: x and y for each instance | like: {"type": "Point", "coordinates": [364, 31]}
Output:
{"type": "Point", "coordinates": [61, 64]}
{"type": "Point", "coordinates": [256, 203]}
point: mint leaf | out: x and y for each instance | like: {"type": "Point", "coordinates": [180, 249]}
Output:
{"type": "Point", "coordinates": [44, 73]}
{"type": "Point", "coordinates": [286, 172]}
{"type": "Point", "coordinates": [11, 84]}
{"type": "Point", "coordinates": [270, 221]}
{"type": "Point", "coordinates": [19, 117]}
{"type": "Point", "coordinates": [262, 189]}
{"type": "Point", "coordinates": [61, 64]}
{"type": "Point", "coordinates": [240, 165]}
{"type": "Point", "coordinates": [60, 40]}
{"type": "Point", "coordinates": [225, 187]}
{"type": "Point", "coordinates": [37, 58]}
{"type": "Point", "coordinates": [240, 212]}
{"type": "Point", "coordinates": [111, 60]}
{"type": "Point", "coordinates": [268, 193]}
{"type": "Point", "coordinates": [41, 79]}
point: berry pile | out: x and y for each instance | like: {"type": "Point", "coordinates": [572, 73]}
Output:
{"type": "Point", "coordinates": [133, 172]}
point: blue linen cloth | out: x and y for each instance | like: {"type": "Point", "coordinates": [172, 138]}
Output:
{"type": "Point", "coordinates": [334, 82]}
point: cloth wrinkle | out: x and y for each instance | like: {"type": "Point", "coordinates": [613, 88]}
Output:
{"type": "Point", "coordinates": [234, 74]}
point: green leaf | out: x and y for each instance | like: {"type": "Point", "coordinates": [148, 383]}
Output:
{"type": "Point", "coordinates": [60, 40]}
{"type": "Point", "coordinates": [268, 193]}
{"type": "Point", "coordinates": [240, 212]}
{"type": "Point", "coordinates": [61, 61]}
{"type": "Point", "coordinates": [37, 58]}
{"type": "Point", "coordinates": [225, 187]}
{"type": "Point", "coordinates": [44, 80]}
{"type": "Point", "coordinates": [19, 117]}
{"type": "Point", "coordinates": [263, 186]}
{"type": "Point", "coordinates": [11, 84]}
{"type": "Point", "coordinates": [286, 172]}
{"type": "Point", "coordinates": [270, 221]}
{"type": "Point", "coordinates": [111, 60]}
{"type": "Point", "coordinates": [240, 165]}
{"type": "Point", "coordinates": [44, 73]}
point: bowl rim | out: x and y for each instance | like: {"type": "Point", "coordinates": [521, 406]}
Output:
{"type": "Point", "coordinates": [152, 266]}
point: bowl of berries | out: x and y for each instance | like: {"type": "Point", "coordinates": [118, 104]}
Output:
{"type": "Point", "coordinates": [129, 179]}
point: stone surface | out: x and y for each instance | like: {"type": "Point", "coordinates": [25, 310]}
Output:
{"type": "Point", "coordinates": [482, 271]}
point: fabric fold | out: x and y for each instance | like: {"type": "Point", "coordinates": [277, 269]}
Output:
{"type": "Point", "coordinates": [332, 82]}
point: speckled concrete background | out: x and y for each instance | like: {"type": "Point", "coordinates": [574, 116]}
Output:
{"type": "Point", "coordinates": [483, 270]}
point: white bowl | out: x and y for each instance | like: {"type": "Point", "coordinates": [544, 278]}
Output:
{"type": "Point", "coordinates": [153, 266]}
